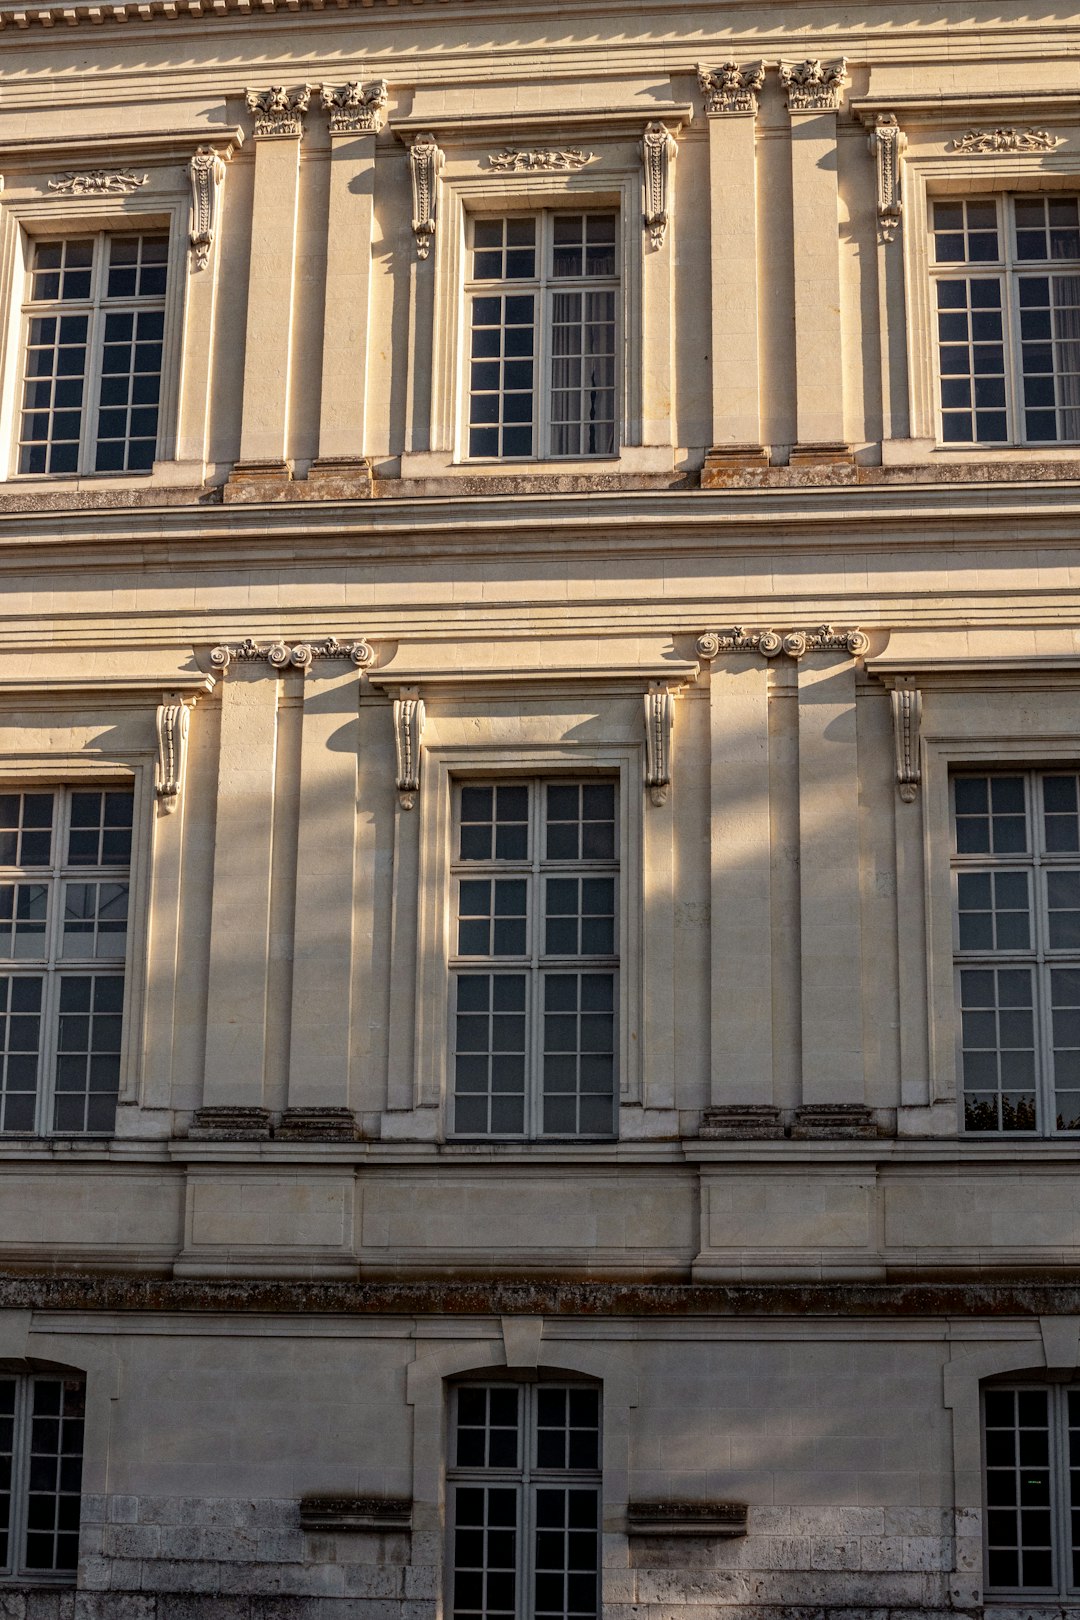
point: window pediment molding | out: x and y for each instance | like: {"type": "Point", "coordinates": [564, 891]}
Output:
{"type": "Point", "coordinates": [54, 153]}
{"type": "Point", "coordinates": [552, 127]}
{"type": "Point", "coordinates": [613, 679]}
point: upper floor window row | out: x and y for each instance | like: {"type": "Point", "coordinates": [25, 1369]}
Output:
{"type": "Point", "coordinates": [92, 358]}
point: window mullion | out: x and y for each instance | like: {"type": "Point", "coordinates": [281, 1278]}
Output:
{"type": "Point", "coordinates": [20, 1476]}
{"type": "Point", "coordinates": [542, 379]}
{"type": "Point", "coordinates": [536, 978]}
{"type": "Point", "coordinates": [95, 338]}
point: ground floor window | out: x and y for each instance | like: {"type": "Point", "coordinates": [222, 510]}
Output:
{"type": "Point", "coordinates": [41, 1449]}
{"type": "Point", "coordinates": [1032, 1464]}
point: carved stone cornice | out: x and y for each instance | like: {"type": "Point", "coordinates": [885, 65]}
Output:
{"type": "Point", "coordinates": [425, 166]}
{"type": "Point", "coordinates": [887, 144]}
{"type": "Point", "coordinates": [732, 87]}
{"type": "Point", "coordinates": [278, 113]}
{"type": "Point", "coordinates": [356, 109]}
{"type": "Point", "coordinates": [1006, 140]}
{"type": "Point", "coordinates": [813, 85]}
{"type": "Point", "coordinates": [770, 643]}
{"type": "Point", "coordinates": [906, 702]}
{"type": "Point", "coordinates": [207, 171]}
{"type": "Point", "coordinates": [659, 719]}
{"type": "Point", "coordinates": [97, 182]}
{"type": "Point", "coordinates": [410, 717]}
{"type": "Point", "coordinates": [279, 655]}
{"type": "Point", "coordinates": [543, 159]}
{"type": "Point", "coordinates": [658, 149]}
{"type": "Point", "coordinates": [173, 721]}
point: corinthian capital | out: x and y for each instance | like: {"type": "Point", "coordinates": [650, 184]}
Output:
{"type": "Point", "coordinates": [278, 111]}
{"type": "Point", "coordinates": [731, 88]}
{"type": "Point", "coordinates": [355, 109]}
{"type": "Point", "coordinates": [814, 86]}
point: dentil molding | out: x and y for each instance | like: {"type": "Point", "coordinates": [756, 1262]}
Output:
{"type": "Point", "coordinates": [887, 145]}
{"type": "Point", "coordinates": [278, 112]}
{"type": "Point", "coordinates": [731, 88]}
{"type": "Point", "coordinates": [658, 150]}
{"type": "Point", "coordinates": [795, 643]}
{"type": "Point", "coordinates": [97, 182]}
{"type": "Point", "coordinates": [279, 655]}
{"type": "Point", "coordinates": [356, 108]}
{"type": "Point", "coordinates": [813, 85]}
{"type": "Point", "coordinates": [425, 167]}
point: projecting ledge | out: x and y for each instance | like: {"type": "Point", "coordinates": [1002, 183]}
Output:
{"type": "Point", "coordinates": [686, 1518]}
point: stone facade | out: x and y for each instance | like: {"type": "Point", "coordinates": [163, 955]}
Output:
{"type": "Point", "coordinates": [760, 590]}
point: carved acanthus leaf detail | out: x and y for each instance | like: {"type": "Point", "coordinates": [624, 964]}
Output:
{"type": "Point", "coordinates": [813, 85]}
{"type": "Point", "coordinates": [207, 173]}
{"type": "Point", "coordinates": [173, 721]}
{"type": "Point", "coordinates": [906, 701]}
{"type": "Point", "coordinates": [356, 109]}
{"type": "Point", "coordinates": [280, 655]}
{"type": "Point", "coordinates": [887, 143]}
{"type": "Point", "coordinates": [542, 158]}
{"type": "Point", "coordinates": [659, 719]}
{"type": "Point", "coordinates": [1007, 140]}
{"type": "Point", "coordinates": [770, 643]}
{"type": "Point", "coordinates": [732, 87]}
{"type": "Point", "coordinates": [658, 150]}
{"type": "Point", "coordinates": [410, 717]}
{"type": "Point", "coordinates": [278, 112]}
{"type": "Point", "coordinates": [98, 182]}
{"type": "Point", "coordinates": [425, 166]}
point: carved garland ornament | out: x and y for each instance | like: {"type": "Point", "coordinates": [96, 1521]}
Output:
{"type": "Point", "coordinates": [658, 150]}
{"type": "Point", "coordinates": [538, 158]}
{"type": "Point", "coordinates": [659, 719]}
{"type": "Point", "coordinates": [731, 88]}
{"type": "Point", "coordinates": [355, 109]}
{"type": "Point", "coordinates": [906, 701]}
{"type": "Point", "coordinates": [281, 656]}
{"type": "Point", "coordinates": [425, 166]}
{"type": "Point", "coordinates": [770, 643]}
{"type": "Point", "coordinates": [173, 721]}
{"type": "Point", "coordinates": [1007, 140]}
{"type": "Point", "coordinates": [207, 173]}
{"type": "Point", "coordinates": [410, 717]}
{"type": "Point", "coordinates": [278, 112]}
{"type": "Point", "coordinates": [814, 86]}
{"type": "Point", "coordinates": [98, 183]}
{"type": "Point", "coordinates": [887, 143]}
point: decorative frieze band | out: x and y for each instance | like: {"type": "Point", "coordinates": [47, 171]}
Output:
{"type": "Point", "coordinates": [732, 87]}
{"type": "Point", "coordinates": [410, 717]}
{"type": "Point", "coordinates": [659, 719]}
{"type": "Point", "coordinates": [887, 143]}
{"type": "Point", "coordinates": [906, 701]}
{"type": "Point", "coordinates": [795, 643]}
{"type": "Point", "coordinates": [543, 159]}
{"type": "Point", "coordinates": [658, 155]}
{"type": "Point", "coordinates": [279, 655]}
{"type": "Point", "coordinates": [173, 721]}
{"type": "Point", "coordinates": [356, 108]}
{"type": "Point", "coordinates": [1007, 140]}
{"type": "Point", "coordinates": [813, 85]}
{"type": "Point", "coordinates": [278, 112]}
{"type": "Point", "coordinates": [97, 182]}
{"type": "Point", "coordinates": [425, 166]}
{"type": "Point", "coordinates": [207, 173]}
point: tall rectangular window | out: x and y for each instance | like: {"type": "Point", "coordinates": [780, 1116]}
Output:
{"type": "Point", "coordinates": [535, 959]}
{"type": "Point", "coordinates": [41, 1452]}
{"type": "Point", "coordinates": [1031, 1447]}
{"type": "Point", "coordinates": [1006, 273]}
{"type": "Point", "coordinates": [1017, 939]}
{"type": "Point", "coordinates": [542, 366]}
{"type": "Point", "coordinates": [524, 1501]}
{"type": "Point", "coordinates": [95, 325]}
{"type": "Point", "coordinates": [65, 857]}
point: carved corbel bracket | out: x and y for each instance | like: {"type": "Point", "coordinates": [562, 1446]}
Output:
{"type": "Point", "coordinates": [410, 717]}
{"type": "Point", "coordinates": [732, 87]}
{"type": "Point", "coordinates": [173, 721]}
{"type": "Point", "coordinates": [425, 166]}
{"type": "Point", "coordinates": [356, 109]}
{"type": "Point", "coordinates": [280, 656]}
{"type": "Point", "coordinates": [770, 643]}
{"type": "Point", "coordinates": [658, 149]}
{"type": "Point", "coordinates": [278, 112]}
{"type": "Point", "coordinates": [813, 85]}
{"type": "Point", "coordinates": [887, 144]}
{"type": "Point", "coordinates": [659, 719]}
{"type": "Point", "coordinates": [906, 701]}
{"type": "Point", "coordinates": [207, 172]}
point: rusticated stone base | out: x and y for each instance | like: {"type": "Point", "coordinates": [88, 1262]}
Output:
{"type": "Point", "coordinates": [317, 1125]}
{"type": "Point", "coordinates": [231, 1124]}
{"type": "Point", "coordinates": [848, 1121]}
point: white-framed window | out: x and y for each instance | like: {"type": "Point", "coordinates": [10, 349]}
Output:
{"type": "Point", "coordinates": [1031, 1481]}
{"type": "Point", "coordinates": [1006, 305]}
{"type": "Point", "coordinates": [65, 857]}
{"type": "Point", "coordinates": [1016, 873]}
{"type": "Point", "coordinates": [542, 375]}
{"type": "Point", "coordinates": [41, 1453]}
{"type": "Point", "coordinates": [524, 1489]}
{"type": "Point", "coordinates": [534, 958]}
{"type": "Point", "coordinates": [92, 353]}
